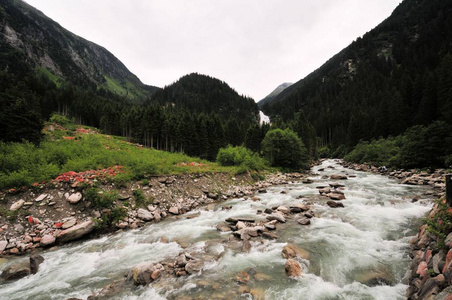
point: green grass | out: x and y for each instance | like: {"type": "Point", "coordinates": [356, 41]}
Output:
{"type": "Point", "coordinates": [128, 89]}
{"type": "Point", "coordinates": [22, 164]}
{"type": "Point", "coordinates": [54, 78]}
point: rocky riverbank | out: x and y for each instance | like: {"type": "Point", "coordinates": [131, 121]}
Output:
{"type": "Point", "coordinates": [46, 216]}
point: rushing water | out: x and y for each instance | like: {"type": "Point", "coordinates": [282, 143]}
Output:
{"type": "Point", "coordinates": [371, 234]}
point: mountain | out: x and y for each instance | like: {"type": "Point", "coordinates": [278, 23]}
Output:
{"type": "Point", "coordinates": [204, 94]}
{"type": "Point", "coordinates": [30, 40]}
{"type": "Point", "coordinates": [396, 76]}
{"type": "Point", "coordinates": [275, 93]}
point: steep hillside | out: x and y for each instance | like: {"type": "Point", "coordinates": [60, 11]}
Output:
{"type": "Point", "coordinates": [395, 76]}
{"type": "Point", "coordinates": [204, 94]}
{"type": "Point", "coordinates": [30, 40]}
{"type": "Point", "coordinates": [274, 93]}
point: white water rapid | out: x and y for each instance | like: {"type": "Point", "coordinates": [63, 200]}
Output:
{"type": "Point", "coordinates": [346, 245]}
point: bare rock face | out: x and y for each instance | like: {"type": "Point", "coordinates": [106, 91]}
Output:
{"type": "Point", "coordinates": [293, 268]}
{"type": "Point", "coordinates": [76, 231]}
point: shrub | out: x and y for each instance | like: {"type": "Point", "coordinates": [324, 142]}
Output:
{"type": "Point", "coordinates": [140, 198]}
{"type": "Point", "coordinates": [283, 148]}
{"type": "Point", "coordinates": [440, 224]}
{"type": "Point", "coordinates": [242, 157]}
{"type": "Point", "coordinates": [100, 199]}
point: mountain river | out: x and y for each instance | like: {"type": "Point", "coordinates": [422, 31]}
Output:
{"type": "Point", "coordinates": [370, 235]}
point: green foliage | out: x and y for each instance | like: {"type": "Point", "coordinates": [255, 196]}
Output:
{"type": "Point", "coordinates": [440, 224]}
{"type": "Point", "coordinates": [140, 198]}
{"type": "Point", "coordinates": [324, 152]}
{"type": "Point", "coordinates": [242, 157]}
{"type": "Point", "coordinates": [420, 147]}
{"type": "Point", "coordinates": [283, 148]}
{"type": "Point", "coordinates": [101, 199]}
{"type": "Point", "coordinates": [110, 218]}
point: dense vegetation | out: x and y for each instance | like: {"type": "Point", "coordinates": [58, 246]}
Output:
{"type": "Point", "coordinates": [74, 148]}
{"type": "Point", "coordinates": [397, 76]}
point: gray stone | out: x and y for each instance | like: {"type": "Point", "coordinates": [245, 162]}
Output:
{"type": "Point", "coordinates": [173, 210]}
{"type": "Point", "coordinates": [3, 246]}
{"type": "Point", "coordinates": [277, 216]}
{"type": "Point", "coordinates": [19, 228]}
{"type": "Point", "coordinates": [35, 261]}
{"type": "Point", "coordinates": [47, 240]}
{"type": "Point", "coordinates": [17, 205]}
{"type": "Point", "coordinates": [144, 273]}
{"type": "Point", "coordinates": [69, 223]}
{"type": "Point", "coordinates": [75, 198]}
{"type": "Point", "coordinates": [16, 271]}
{"type": "Point", "coordinates": [193, 267]}
{"type": "Point", "coordinates": [223, 227]}
{"type": "Point", "coordinates": [338, 177]}
{"type": "Point", "coordinates": [41, 197]}
{"type": "Point", "coordinates": [76, 231]}
{"type": "Point", "coordinates": [145, 215]}
{"type": "Point", "coordinates": [445, 294]}
{"type": "Point", "coordinates": [304, 221]}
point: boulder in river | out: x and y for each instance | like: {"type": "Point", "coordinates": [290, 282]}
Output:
{"type": "Point", "coordinates": [293, 251]}
{"type": "Point", "coordinates": [375, 276]}
{"type": "Point", "coordinates": [337, 196]}
{"type": "Point", "coordinates": [334, 204]}
{"type": "Point", "coordinates": [276, 216]}
{"type": "Point", "coordinates": [194, 266]}
{"type": "Point", "coordinates": [338, 177]}
{"type": "Point", "coordinates": [144, 273]}
{"type": "Point", "coordinates": [76, 231]}
{"type": "Point", "coordinates": [293, 268]}
{"type": "Point", "coordinates": [16, 271]}
{"type": "Point", "coordinates": [35, 261]}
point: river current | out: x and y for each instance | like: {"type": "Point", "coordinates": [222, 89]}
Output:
{"type": "Point", "coordinates": [370, 235]}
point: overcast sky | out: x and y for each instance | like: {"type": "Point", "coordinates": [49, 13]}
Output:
{"type": "Point", "coordinates": [253, 45]}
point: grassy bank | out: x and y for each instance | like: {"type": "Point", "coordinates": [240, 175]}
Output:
{"type": "Point", "coordinates": [70, 148]}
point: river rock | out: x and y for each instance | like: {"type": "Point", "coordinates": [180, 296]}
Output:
{"type": "Point", "coordinates": [35, 261]}
{"type": "Point", "coordinates": [47, 240]}
{"type": "Point", "coordinates": [75, 198]}
{"type": "Point", "coordinates": [293, 268]}
{"type": "Point", "coordinates": [431, 287]}
{"type": "Point", "coordinates": [76, 232]}
{"type": "Point", "coordinates": [173, 210]}
{"type": "Point", "coordinates": [338, 177]}
{"type": "Point", "coordinates": [293, 251]}
{"type": "Point", "coordinates": [438, 262]}
{"type": "Point", "coordinates": [240, 225]}
{"type": "Point", "coordinates": [144, 273]}
{"type": "Point", "coordinates": [246, 246]}
{"type": "Point", "coordinates": [277, 216]}
{"type": "Point", "coordinates": [304, 221]}
{"type": "Point", "coordinates": [3, 245]}
{"type": "Point", "coordinates": [446, 294]}
{"type": "Point", "coordinates": [69, 223]}
{"type": "Point", "coordinates": [194, 266]}
{"type": "Point", "coordinates": [336, 196]}
{"type": "Point", "coordinates": [17, 205]}
{"type": "Point", "coordinates": [145, 215]}
{"type": "Point", "coordinates": [109, 291]}
{"type": "Point", "coordinates": [223, 227]}
{"type": "Point", "coordinates": [16, 271]}
{"type": "Point", "coordinates": [297, 208]}
{"type": "Point", "coordinates": [41, 197]}
{"type": "Point", "coordinates": [334, 204]}
{"type": "Point", "coordinates": [336, 185]}
{"type": "Point", "coordinates": [257, 294]}
{"type": "Point", "coordinates": [283, 209]}
{"type": "Point", "coordinates": [374, 277]}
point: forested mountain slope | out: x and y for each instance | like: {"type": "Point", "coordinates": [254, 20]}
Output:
{"type": "Point", "coordinates": [30, 40]}
{"type": "Point", "coordinates": [205, 94]}
{"type": "Point", "coordinates": [396, 76]}
{"type": "Point", "coordinates": [274, 93]}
